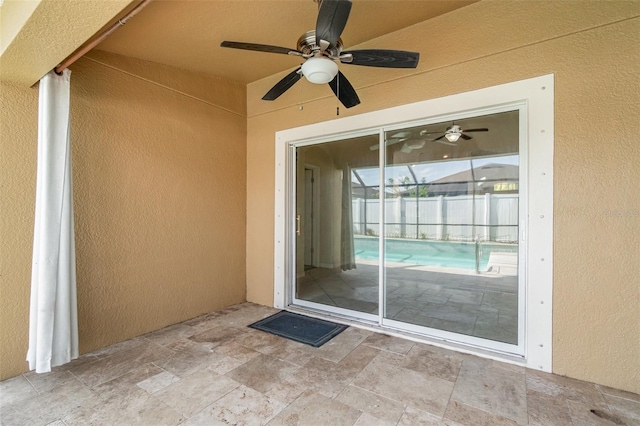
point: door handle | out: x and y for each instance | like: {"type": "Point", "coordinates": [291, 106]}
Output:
{"type": "Point", "coordinates": [298, 225]}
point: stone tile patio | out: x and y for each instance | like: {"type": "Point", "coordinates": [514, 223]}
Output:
{"type": "Point", "coordinates": [214, 370]}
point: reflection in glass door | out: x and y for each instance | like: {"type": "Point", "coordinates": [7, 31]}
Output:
{"type": "Point", "coordinates": [451, 226]}
{"type": "Point", "coordinates": [331, 273]}
{"type": "Point", "coordinates": [449, 200]}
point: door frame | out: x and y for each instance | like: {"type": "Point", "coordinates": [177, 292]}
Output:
{"type": "Point", "coordinates": [536, 94]}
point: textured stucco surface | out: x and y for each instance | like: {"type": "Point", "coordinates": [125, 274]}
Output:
{"type": "Point", "coordinates": [13, 16]}
{"type": "Point", "coordinates": [159, 198]}
{"type": "Point", "coordinates": [160, 213]}
{"type": "Point", "coordinates": [40, 34]}
{"type": "Point", "coordinates": [214, 90]}
{"type": "Point", "coordinates": [18, 150]}
{"type": "Point", "coordinates": [163, 185]}
{"type": "Point", "coordinates": [591, 47]}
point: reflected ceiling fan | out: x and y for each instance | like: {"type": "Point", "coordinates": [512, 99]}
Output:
{"type": "Point", "coordinates": [410, 141]}
{"type": "Point", "coordinates": [417, 140]}
{"type": "Point", "coordinates": [455, 132]}
{"type": "Point", "coordinates": [322, 50]}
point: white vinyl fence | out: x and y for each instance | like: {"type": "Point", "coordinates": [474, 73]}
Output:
{"type": "Point", "coordinates": [490, 217]}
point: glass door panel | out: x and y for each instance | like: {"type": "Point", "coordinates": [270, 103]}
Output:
{"type": "Point", "coordinates": [451, 214]}
{"type": "Point", "coordinates": [337, 225]}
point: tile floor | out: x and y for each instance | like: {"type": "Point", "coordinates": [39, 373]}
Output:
{"type": "Point", "coordinates": [214, 370]}
{"type": "Point", "coordinates": [482, 305]}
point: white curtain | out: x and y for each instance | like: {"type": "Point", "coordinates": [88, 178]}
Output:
{"type": "Point", "coordinates": [347, 249]}
{"type": "Point", "coordinates": [53, 323]}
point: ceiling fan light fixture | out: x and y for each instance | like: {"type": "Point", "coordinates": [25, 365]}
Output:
{"type": "Point", "coordinates": [319, 70]}
{"type": "Point", "coordinates": [452, 137]}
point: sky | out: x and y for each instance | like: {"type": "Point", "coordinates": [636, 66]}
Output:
{"type": "Point", "coordinates": [432, 171]}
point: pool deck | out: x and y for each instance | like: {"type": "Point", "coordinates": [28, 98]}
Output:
{"type": "Point", "coordinates": [462, 301]}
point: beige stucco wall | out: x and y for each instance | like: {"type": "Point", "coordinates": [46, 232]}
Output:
{"type": "Point", "coordinates": [159, 163]}
{"type": "Point", "coordinates": [36, 35]}
{"type": "Point", "coordinates": [592, 48]}
{"type": "Point", "coordinates": [18, 150]}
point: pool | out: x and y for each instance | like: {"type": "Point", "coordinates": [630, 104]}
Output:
{"type": "Point", "coordinates": [446, 254]}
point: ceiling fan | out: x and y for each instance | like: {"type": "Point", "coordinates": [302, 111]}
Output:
{"type": "Point", "coordinates": [417, 140]}
{"type": "Point", "coordinates": [322, 49]}
{"type": "Point", "coordinates": [455, 132]}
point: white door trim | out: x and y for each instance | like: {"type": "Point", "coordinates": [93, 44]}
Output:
{"type": "Point", "coordinates": [538, 96]}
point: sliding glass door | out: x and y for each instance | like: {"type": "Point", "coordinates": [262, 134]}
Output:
{"type": "Point", "coordinates": [331, 272]}
{"type": "Point", "coordinates": [422, 236]}
{"type": "Point", "coordinates": [451, 227]}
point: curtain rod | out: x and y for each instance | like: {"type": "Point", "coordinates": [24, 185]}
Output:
{"type": "Point", "coordinates": [84, 49]}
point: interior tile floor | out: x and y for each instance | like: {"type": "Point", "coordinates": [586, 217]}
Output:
{"type": "Point", "coordinates": [214, 370]}
{"type": "Point", "coordinates": [482, 305]}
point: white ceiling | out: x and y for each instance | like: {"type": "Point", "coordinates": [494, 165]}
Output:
{"type": "Point", "coordinates": [187, 33]}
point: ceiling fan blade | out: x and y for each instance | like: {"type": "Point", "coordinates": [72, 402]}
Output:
{"type": "Point", "coordinates": [332, 18]}
{"type": "Point", "coordinates": [416, 143]}
{"type": "Point", "coordinates": [260, 47]}
{"type": "Point", "coordinates": [344, 90]}
{"type": "Point", "coordinates": [406, 149]}
{"type": "Point", "coordinates": [283, 85]}
{"type": "Point", "coordinates": [381, 58]}
{"type": "Point", "coordinates": [465, 137]}
{"type": "Point", "coordinates": [403, 134]}
{"type": "Point", "coordinates": [476, 130]}
{"type": "Point", "coordinates": [437, 139]}
{"type": "Point", "coordinates": [395, 140]}
{"type": "Point", "coordinates": [388, 142]}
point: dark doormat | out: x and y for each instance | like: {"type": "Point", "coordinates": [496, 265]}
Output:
{"type": "Point", "coordinates": [300, 328]}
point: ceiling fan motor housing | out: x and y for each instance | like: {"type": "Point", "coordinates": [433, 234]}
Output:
{"type": "Point", "coordinates": [307, 45]}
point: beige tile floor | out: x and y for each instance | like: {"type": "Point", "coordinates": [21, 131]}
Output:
{"type": "Point", "coordinates": [214, 370]}
{"type": "Point", "coordinates": [482, 305]}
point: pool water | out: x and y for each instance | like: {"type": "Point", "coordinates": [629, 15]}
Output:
{"type": "Point", "coordinates": [446, 254]}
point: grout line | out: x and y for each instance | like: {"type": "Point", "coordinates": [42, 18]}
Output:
{"type": "Point", "coordinates": [455, 382]}
{"type": "Point", "coordinates": [31, 384]}
{"type": "Point", "coordinates": [404, 411]}
{"type": "Point", "coordinates": [218, 399]}
{"type": "Point", "coordinates": [603, 393]}
{"type": "Point", "coordinates": [385, 397]}
{"type": "Point", "coordinates": [80, 380]}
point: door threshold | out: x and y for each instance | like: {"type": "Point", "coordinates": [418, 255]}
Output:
{"type": "Point", "coordinates": [418, 338]}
